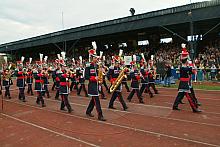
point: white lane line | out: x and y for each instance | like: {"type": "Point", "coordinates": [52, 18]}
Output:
{"type": "Point", "coordinates": [144, 105]}
{"type": "Point", "coordinates": [122, 126]}
{"type": "Point", "coordinates": [176, 119]}
{"type": "Point", "coordinates": [49, 130]}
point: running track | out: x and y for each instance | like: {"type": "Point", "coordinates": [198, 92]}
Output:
{"type": "Point", "coordinates": [151, 124]}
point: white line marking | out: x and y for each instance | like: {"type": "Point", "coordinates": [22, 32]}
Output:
{"type": "Point", "coordinates": [122, 126]}
{"type": "Point", "coordinates": [176, 119]}
{"type": "Point", "coordinates": [49, 130]}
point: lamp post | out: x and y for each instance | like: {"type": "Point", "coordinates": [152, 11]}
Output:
{"type": "Point", "coordinates": [191, 31]}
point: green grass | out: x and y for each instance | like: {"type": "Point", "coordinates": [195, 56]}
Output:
{"type": "Point", "coordinates": [202, 86]}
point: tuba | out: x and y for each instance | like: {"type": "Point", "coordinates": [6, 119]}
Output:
{"type": "Point", "coordinates": [118, 81]}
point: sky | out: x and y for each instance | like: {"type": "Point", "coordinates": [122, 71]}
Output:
{"type": "Point", "coordinates": [21, 19]}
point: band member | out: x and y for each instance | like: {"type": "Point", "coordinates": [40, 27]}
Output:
{"type": "Point", "coordinates": [144, 79]}
{"type": "Point", "coordinates": [135, 78]}
{"type": "Point", "coordinates": [46, 82]}
{"type": "Point", "coordinates": [64, 91]}
{"type": "Point", "coordinates": [80, 75]}
{"type": "Point", "coordinates": [54, 79]}
{"type": "Point", "coordinates": [151, 76]}
{"type": "Point", "coordinates": [192, 93]}
{"type": "Point", "coordinates": [113, 74]}
{"type": "Point", "coordinates": [29, 80]}
{"type": "Point", "coordinates": [73, 80]}
{"type": "Point", "coordinates": [39, 84]}
{"type": "Point", "coordinates": [124, 81]}
{"type": "Point", "coordinates": [58, 72]}
{"type": "Point", "coordinates": [184, 89]}
{"type": "Point", "coordinates": [7, 82]}
{"type": "Point", "coordinates": [20, 74]}
{"type": "Point", "coordinates": [91, 74]}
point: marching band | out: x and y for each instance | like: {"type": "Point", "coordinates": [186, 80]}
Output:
{"type": "Point", "coordinates": [95, 72]}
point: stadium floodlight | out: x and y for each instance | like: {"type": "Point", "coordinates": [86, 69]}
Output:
{"type": "Point", "coordinates": [132, 11]}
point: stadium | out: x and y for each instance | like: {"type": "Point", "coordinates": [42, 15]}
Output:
{"type": "Point", "coordinates": [144, 74]}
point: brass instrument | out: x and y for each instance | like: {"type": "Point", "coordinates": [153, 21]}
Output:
{"type": "Point", "coordinates": [6, 76]}
{"type": "Point", "coordinates": [118, 81]}
{"type": "Point", "coordinates": [100, 74]}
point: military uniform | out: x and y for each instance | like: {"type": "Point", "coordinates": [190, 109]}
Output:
{"type": "Point", "coordinates": [46, 83]}
{"type": "Point", "coordinates": [80, 76]}
{"type": "Point", "coordinates": [113, 74]}
{"type": "Point", "coordinates": [152, 80]}
{"type": "Point", "coordinates": [135, 77]}
{"type": "Point", "coordinates": [184, 88]}
{"type": "Point", "coordinates": [91, 75]}
{"type": "Point", "coordinates": [64, 91]}
{"type": "Point", "coordinates": [39, 87]}
{"type": "Point", "coordinates": [192, 93]}
{"type": "Point", "coordinates": [29, 81]}
{"type": "Point", "coordinates": [58, 73]}
{"type": "Point", "coordinates": [74, 83]}
{"type": "Point", "coordinates": [144, 81]}
{"type": "Point", "coordinates": [19, 73]}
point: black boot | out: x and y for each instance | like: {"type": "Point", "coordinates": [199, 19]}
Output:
{"type": "Point", "coordinates": [197, 110]}
{"type": "Point", "coordinates": [176, 108]}
{"type": "Point", "coordinates": [111, 107]}
{"type": "Point", "coordinates": [101, 118]}
{"type": "Point", "coordinates": [89, 114]}
{"type": "Point", "coordinates": [125, 108]}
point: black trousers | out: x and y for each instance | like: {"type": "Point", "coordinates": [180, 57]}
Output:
{"type": "Point", "coordinates": [46, 91]}
{"type": "Point", "coordinates": [57, 94]}
{"type": "Point", "coordinates": [126, 85]}
{"type": "Point", "coordinates": [105, 84]}
{"type": "Point", "coordinates": [21, 94]}
{"type": "Point", "coordinates": [65, 102]}
{"type": "Point", "coordinates": [153, 86]}
{"type": "Point", "coordinates": [54, 84]}
{"type": "Point", "coordinates": [179, 98]}
{"type": "Point", "coordinates": [72, 84]}
{"type": "Point", "coordinates": [101, 92]}
{"type": "Point", "coordinates": [132, 94]}
{"type": "Point", "coordinates": [145, 87]}
{"type": "Point", "coordinates": [94, 102]}
{"type": "Point", "coordinates": [40, 98]}
{"type": "Point", "coordinates": [7, 91]}
{"type": "Point", "coordinates": [193, 95]}
{"type": "Point", "coordinates": [82, 86]}
{"type": "Point", "coordinates": [118, 95]}
{"type": "Point", "coordinates": [30, 90]}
